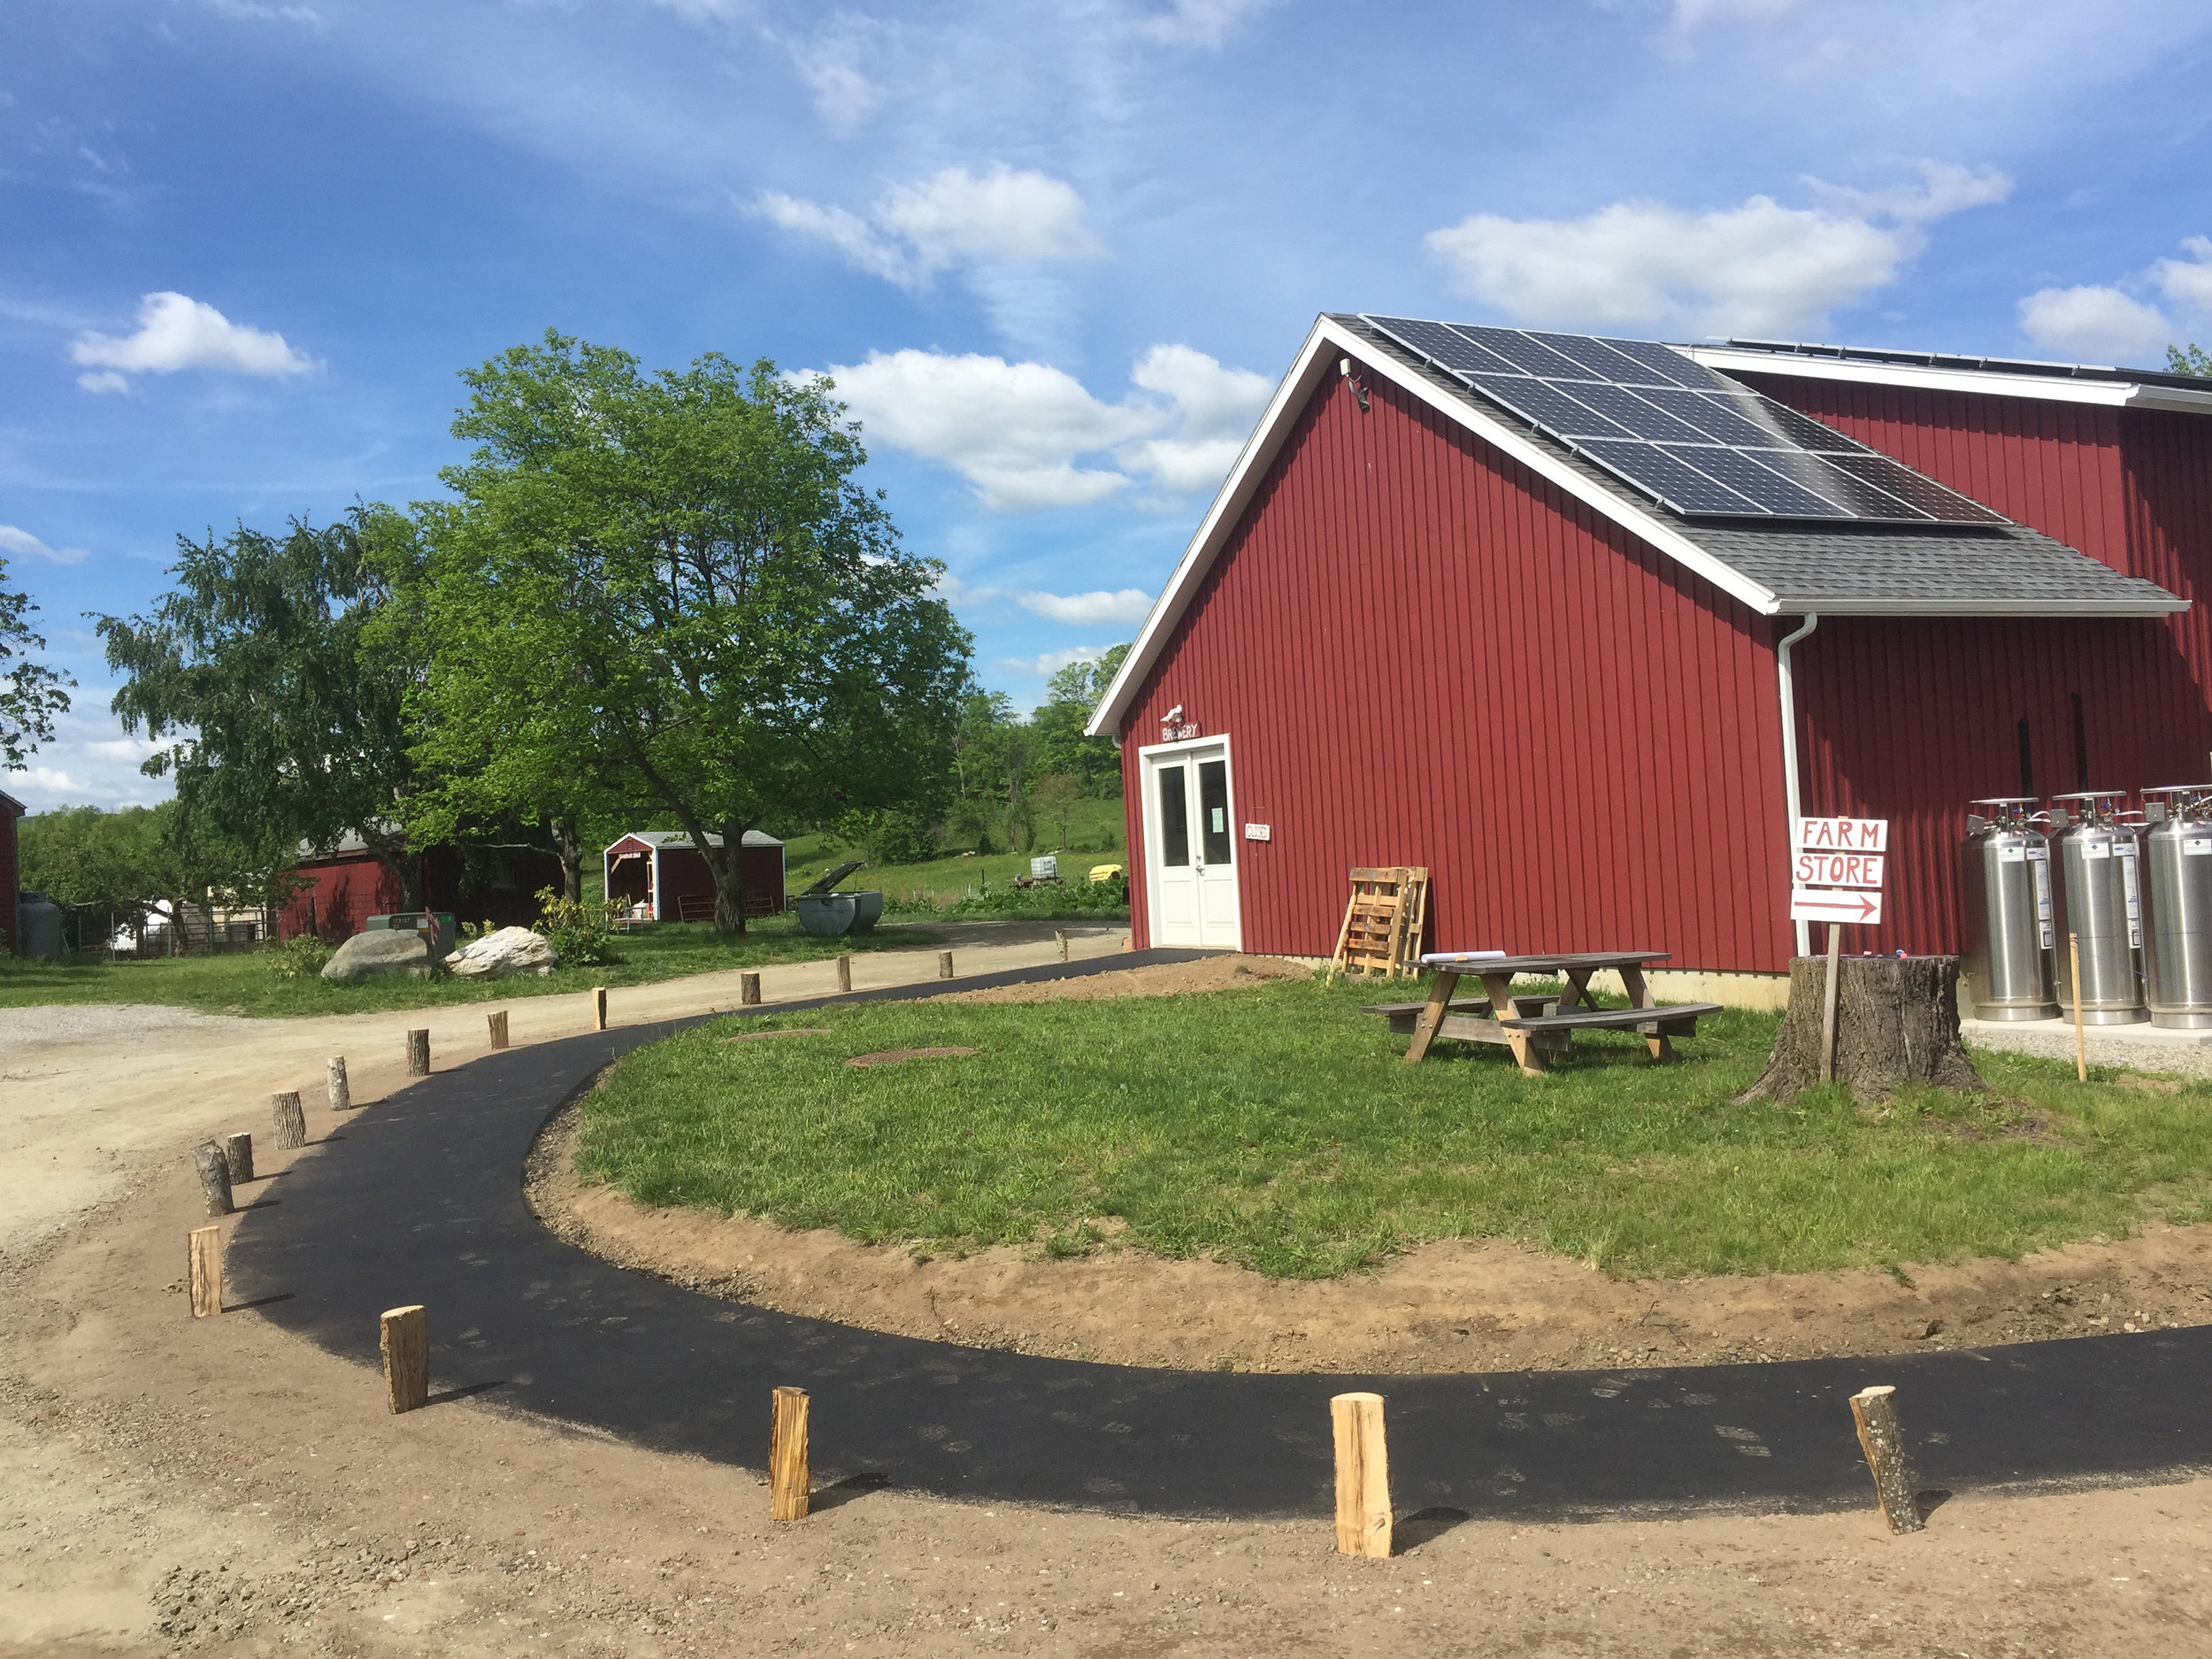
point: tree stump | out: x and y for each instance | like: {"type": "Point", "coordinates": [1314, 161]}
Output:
{"type": "Point", "coordinates": [1897, 1024]}
{"type": "Point", "coordinates": [214, 1167]}
{"type": "Point", "coordinates": [291, 1122]}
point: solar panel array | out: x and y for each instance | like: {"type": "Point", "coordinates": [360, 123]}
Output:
{"type": "Point", "coordinates": [1694, 440]}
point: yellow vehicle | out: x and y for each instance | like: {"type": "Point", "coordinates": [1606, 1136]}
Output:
{"type": "Point", "coordinates": [1105, 872]}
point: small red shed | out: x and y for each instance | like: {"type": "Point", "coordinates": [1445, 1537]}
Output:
{"type": "Point", "coordinates": [11, 871]}
{"type": "Point", "coordinates": [663, 878]}
{"type": "Point", "coordinates": [1428, 620]}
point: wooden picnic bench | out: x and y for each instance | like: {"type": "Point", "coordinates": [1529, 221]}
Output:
{"type": "Point", "coordinates": [1534, 1025]}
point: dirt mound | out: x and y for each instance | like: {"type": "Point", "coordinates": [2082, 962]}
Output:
{"type": "Point", "coordinates": [1169, 979]}
{"type": "Point", "coordinates": [1485, 1305]}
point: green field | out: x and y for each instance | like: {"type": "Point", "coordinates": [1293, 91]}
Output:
{"type": "Point", "coordinates": [1278, 1127]}
{"type": "Point", "coordinates": [1095, 827]}
{"type": "Point", "coordinates": [245, 982]}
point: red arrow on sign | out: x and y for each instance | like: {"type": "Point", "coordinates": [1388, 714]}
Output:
{"type": "Point", "coordinates": [1813, 904]}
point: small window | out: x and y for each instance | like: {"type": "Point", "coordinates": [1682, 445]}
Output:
{"type": "Point", "coordinates": [1174, 819]}
{"type": "Point", "coordinates": [1213, 806]}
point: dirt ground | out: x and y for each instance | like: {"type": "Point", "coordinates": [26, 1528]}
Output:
{"type": "Point", "coordinates": [214, 1487]}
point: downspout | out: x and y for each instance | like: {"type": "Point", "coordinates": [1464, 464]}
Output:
{"type": "Point", "coordinates": [1789, 750]}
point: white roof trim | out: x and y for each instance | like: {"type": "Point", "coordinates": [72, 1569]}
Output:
{"type": "Point", "coordinates": [1327, 340]}
{"type": "Point", "coordinates": [1983, 383]}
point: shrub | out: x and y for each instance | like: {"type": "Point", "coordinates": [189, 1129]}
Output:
{"type": "Point", "coordinates": [302, 956]}
{"type": "Point", "coordinates": [894, 837]}
{"type": "Point", "coordinates": [581, 932]}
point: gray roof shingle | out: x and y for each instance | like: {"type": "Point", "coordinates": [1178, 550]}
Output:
{"type": "Point", "coordinates": [1870, 569]}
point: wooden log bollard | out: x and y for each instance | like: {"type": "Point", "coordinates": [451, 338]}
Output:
{"type": "Point", "coordinates": [238, 1154]}
{"type": "Point", "coordinates": [495, 1026]}
{"type": "Point", "coordinates": [340, 1091]}
{"type": "Point", "coordinates": [1875, 1411]}
{"type": "Point", "coordinates": [599, 1008]}
{"type": "Point", "coordinates": [944, 965]}
{"type": "Point", "coordinates": [214, 1167]}
{"type": "Point", "coordinates": [419, 1053]}
{"type": "Point", "coordinates": [1061, 939]}
{"type": "Point", "coordinates": [206, 1271]}
{"type": "Point", "coordinates": [844, 973]}
{"type": "Point", "coordinates": [291, 1122]}
{"type": "Point", "coordinates": [1363, 1476]}
{"type": "Point", "coordinates": [748, 990]}
{"type": "Point", "coordinates": [789, 1484]}
{"type": "Point", "coordinates": [404, 1335]}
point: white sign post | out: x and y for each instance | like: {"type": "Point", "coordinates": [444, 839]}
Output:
{"type": "Point", "coordinates": [1836, 874]}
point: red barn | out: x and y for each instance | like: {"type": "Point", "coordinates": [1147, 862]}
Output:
{"type": "Point", "coordinates": [10, 872]}
{"type": "Point", "coordinates": [1437, 616]}
{"type": "Point", "coordinates": [349, 883]}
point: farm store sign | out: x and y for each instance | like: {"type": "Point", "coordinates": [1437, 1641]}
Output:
{"type": "Point", "coordinates": [1837, 869]}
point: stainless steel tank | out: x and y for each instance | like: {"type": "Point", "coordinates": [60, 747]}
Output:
{"type": "Point", "coordinates": [2099, 894]}
{"type": "Point", "coordinates": [2178, 871]}
{"type": "Point", "coordinates": [2005, 884]}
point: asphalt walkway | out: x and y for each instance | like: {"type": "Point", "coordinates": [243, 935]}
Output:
{"type": "Point", "coordinates": [418, 1199]}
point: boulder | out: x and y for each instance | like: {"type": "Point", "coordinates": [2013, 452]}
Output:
{"type": "Point", "coordinates": [509, 950]}
{"type": "Point", "coordinates": [377, 955]}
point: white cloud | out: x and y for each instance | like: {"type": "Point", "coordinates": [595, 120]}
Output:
{"type": "Point", "coordinates": [2187, 283]}
{"type": "Point", "coordinates": [1029, 436]}
{"type": "Point", "coordinates": [253, 12]}
{"type": "Point", "coordinates": [2107, 323]}
{"type": "Point", "coordinates": [176, 332]}
{"type": "Point", "coordinates": [829, 65]}
{"type": "Point", "coordinates": [1046, 664]}
{"type": "Point", "coordinates": [91, 761]}
{"type": "Point", "coordinates": [2098, 324]}
{"type": "Point", "coordinates": [22, 542]}
{"type": "Point", "coordinates": [953, 218]}
{"type": "Point", "coordinates": [1203, 23]}
{"type": "Point", "coordinates": [1129, 604]}
{"type": "Point", "coordinates": [1761, 268]}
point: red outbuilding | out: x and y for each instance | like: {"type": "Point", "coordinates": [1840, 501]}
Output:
{"type": "Point", "coordinates": [11, 871]}
{"type": "Point", "coordinates": [1466, 601]}
{"type": "Point", "coordinates": [662, 877]}
{"type": "Point", "coordinates": [342, 887]}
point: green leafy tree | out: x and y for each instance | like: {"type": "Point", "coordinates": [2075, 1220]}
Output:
{"type": "Point", "coordinates": [2192, 359]}
{"type": "Point", "coordinates": [1054, 796]}
{"type": "Point", "coordinates": [672, 588]}
{"type": "Point", "coordinates": [285, 727]}
{"type": "Point", "coordinates": [31, 694]}
{"type": "Point", "coordinates": [1071, 694]}
{"type": "Point", "coordinates": [136, 865]}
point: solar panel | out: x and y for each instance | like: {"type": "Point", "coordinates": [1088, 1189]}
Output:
{"type": "Point", "coordinates": [1741, 470]}
{"type": "Point", "coordinates": [1526, 352]}
{"type": "Point", "coordinates": [1549, 404]}
{"type": "Point", "coordinates": [1692, 439]}
{"type": "Point", "coordinates": [1680, 486]}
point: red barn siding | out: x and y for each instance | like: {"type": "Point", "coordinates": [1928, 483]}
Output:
{"type": "Point", "coordinates": [2131, 488]}
{"type": "Point", "coordinates": [2055, 467]}
{"type": "Point", "coordinates": [11, 875]}
{"type": "Point", "coordinates": [340, 896]}
{"type": "Point", "coordinates": [1910, 718]}
{"type": "Point", "coordinates": [1422, 653]}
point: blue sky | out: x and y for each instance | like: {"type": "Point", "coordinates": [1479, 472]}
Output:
{"type": "Point", "coordinates": [1057, 255]}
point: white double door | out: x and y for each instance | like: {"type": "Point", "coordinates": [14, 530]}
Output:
{"type": "Point", "coordinates": [1191, 847]}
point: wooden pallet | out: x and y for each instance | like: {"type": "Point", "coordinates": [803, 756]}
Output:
{"type": "Point", "coordinates": [1384, 923]}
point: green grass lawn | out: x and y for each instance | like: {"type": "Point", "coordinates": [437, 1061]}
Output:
{"type": "Point", "coordinates": [244, 982]}
{"type": "Point", "coordinates": [1278, 1127]}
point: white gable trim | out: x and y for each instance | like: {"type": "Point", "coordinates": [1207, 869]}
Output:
{"type": "Point", "coordinates": [1982, 383]}
{"type": "Point", "coordinates": [1316, 360]}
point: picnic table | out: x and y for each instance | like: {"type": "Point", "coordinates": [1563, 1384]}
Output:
{"type": "Point", "coordinates": [1534, 1025]}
